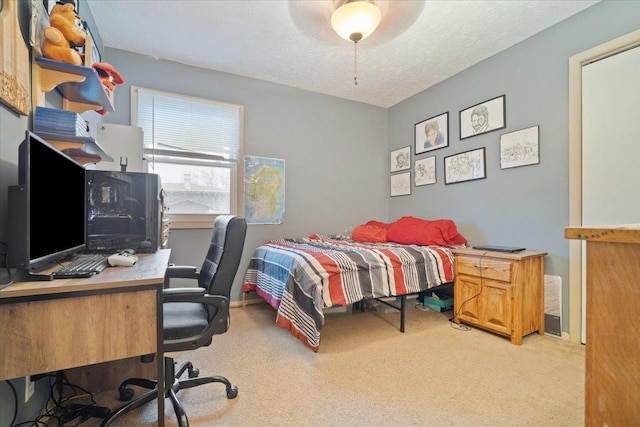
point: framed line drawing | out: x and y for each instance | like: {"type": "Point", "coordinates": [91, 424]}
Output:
{"type": "Point", "coordinates": [401, 159]}
{"type": "Point", "coordinates": [484, 117]}
{"type": "Point", "coordinates": [432, 133]}
{"type": "Point", "coordinates": [466, 166]}
{"type": "Point", "coordinates": [424, 172]}
{"type": "Point", "coordinates": [401, 184]}
{"type": "Point", "coordinates": [520, 148]}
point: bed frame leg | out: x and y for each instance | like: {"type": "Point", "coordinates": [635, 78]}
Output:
{"type": "Point", "coordinates": [403, 311]}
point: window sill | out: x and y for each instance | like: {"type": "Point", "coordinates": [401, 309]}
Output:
{"type": "Point", "coordinates": [186, 221]}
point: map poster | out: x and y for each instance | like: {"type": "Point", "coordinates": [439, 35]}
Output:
{"type": "Point", "coordinates": [263, 190]}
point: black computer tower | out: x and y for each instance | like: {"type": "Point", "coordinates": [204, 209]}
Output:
{"type": "Point", "coordinates": [123, 211]}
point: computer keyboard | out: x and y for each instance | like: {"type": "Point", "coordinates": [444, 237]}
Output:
{"type": "Point", "coordinates": [84, 265]}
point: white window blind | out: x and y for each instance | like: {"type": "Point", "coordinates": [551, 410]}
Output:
{"type": "Point", "coordinates": [186, 125]}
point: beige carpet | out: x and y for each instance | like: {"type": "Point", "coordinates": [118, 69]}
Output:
{"type": "Point", "coordinates": [368, 373]}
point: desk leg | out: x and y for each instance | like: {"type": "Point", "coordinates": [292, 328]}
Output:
{"type": "Point", "coordinates": [160, 357]}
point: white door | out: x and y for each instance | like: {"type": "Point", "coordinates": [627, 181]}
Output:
{"type": "Point", "coordinates": [610, 144]}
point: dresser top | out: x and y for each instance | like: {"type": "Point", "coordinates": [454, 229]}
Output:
{"type": "Point", "coordinates": [497, 254]}
{"type": "Point", "coordinates": [623, 233]}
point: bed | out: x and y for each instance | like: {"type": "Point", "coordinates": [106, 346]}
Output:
{"type": "Point", "coordinates": [299, 277]}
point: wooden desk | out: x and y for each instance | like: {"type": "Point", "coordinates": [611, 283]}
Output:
{"type": "Point", "coordinates": [612, 383]}
{"type": "Point", "coordinates": [66, 323]}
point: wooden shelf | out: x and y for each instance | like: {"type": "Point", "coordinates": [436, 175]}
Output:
{"type": "Point", "coordinates": [82, 149]}
{"type": "Point", "coordinates": [80, 86]}
{"type": "Point", "coordinates": [82, 91]}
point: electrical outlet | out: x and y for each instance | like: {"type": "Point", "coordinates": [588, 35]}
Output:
{"type": "Point", "coordinates": [29, 388]}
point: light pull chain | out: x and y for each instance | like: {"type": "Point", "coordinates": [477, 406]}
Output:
{"type": "Point", "coordinates": [355, 63]}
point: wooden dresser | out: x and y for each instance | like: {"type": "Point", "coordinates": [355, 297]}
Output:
{"type": "Point", "coordinates": [500, 292]}
{"type": "Point", "coordinates": [612, 385]}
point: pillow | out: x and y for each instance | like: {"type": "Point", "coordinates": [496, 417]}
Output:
{"type": "Point", "coordinates": [371, 232]}
{"type": "Point", "coordinates": [416, 231]}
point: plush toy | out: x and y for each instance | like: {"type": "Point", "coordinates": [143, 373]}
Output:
{"type": "Point", "coordinates": [64, 34]}
{"type": "Point", "coordinates": [109, 78]}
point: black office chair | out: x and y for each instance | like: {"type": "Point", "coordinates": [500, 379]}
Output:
{"type": "Point", "coordinates": [192, 316]}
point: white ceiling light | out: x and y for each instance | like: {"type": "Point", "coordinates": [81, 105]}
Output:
{"type": "Point", "coordinates": [355, 21]}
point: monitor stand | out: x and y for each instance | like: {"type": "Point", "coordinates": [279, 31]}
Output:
{"type": "Point", "coordinates": [25, 275]}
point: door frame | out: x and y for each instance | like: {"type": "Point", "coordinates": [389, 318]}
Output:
{"type": "Point", "coordinates": [576, 62]}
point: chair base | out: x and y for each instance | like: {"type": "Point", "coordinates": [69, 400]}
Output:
{"type": "Point", "coordinates": [171, 390]}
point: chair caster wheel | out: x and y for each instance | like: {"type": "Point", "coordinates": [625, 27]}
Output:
{"type": "Point", "coordinates": [193, 373]}
{"type": "Point", "coordinates": [126, 394]}
{"type": "Point", "coordinates": [232, 392]}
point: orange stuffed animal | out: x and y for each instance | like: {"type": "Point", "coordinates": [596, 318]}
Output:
{"type": "Point", "coordinates": [64, 34]}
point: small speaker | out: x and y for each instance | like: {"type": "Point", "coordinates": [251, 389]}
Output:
{"type": "Point", "coordinates": [18, 245]}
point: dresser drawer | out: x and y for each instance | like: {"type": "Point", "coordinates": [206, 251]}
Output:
{"type": "Point", "coordinates": [489, 268]}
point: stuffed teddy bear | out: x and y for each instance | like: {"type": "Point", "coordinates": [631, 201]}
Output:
{"type": "Point", "coordinates": [64, 34]}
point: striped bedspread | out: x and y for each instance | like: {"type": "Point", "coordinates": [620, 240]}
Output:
{"type": "Point", "coordinates": [300, 277]}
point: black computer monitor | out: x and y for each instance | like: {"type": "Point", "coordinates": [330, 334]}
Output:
{"type": "Point", "coordinates": [47, 208]}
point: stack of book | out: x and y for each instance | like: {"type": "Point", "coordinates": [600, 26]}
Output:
{"type": "Point", "coordinates": [59, 122]}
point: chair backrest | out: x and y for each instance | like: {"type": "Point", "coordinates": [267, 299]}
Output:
{"type": "Point", "coordinates": [223, 257]}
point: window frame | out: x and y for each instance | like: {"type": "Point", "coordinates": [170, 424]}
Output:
{"type": "Point", "coordinates": [202, 221]}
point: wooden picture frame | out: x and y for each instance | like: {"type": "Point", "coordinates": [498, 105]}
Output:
{"type": "Point", "coordinates": [424, 171]}
{"type": "Point", "coordinates": [400, 159]}
{"type": "Point", "coordinates": [432, 133]}
{"type": "Point", "coordinates": [466, 166]}
{"type": "Point", "coordinates": [401, 184]}
{"type": "Point", "coordinates": [15, 83]}
{"type": "Point", "coordinates": [48, 4]}
{"type": "Point", "coordinates": [91, 49]}
{"type": "Point", "coordinates": [484, 117]}
{"type": "Point", "coordinates": [520, 148]}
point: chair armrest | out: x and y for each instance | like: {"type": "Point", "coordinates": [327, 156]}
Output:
{"type": "Point", "coordinates": [181, 271]}
{"type": "Point", "coordinates": [217, 325]}
{"type": "Point", "coordinates": [180, 294]}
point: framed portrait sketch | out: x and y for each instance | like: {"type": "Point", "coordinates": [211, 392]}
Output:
{"type": "Point", "coordinates": [424, 172]}
{"type": "Point", "coordinates": [432, 133]}
{"type": "Point", "coordinates": [400, 159]}
{"type": "Point", "coordinates": [467, 166]}
{"type": "Point", "coordinates": [484, 117]}
{"type": "Point", "coordinates": [401, 184]}
{"type": "Point", "coordinates": [520, 148]}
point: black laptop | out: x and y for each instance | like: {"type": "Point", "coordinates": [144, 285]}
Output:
{"type": "Point", "coordinates": [498, 248]}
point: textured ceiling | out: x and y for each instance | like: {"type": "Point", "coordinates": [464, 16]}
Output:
{"type": "Point", "coordinates": [418, 43]}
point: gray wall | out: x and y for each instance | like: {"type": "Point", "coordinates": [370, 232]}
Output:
{"type": "Point", "coordinates": [526, 206]}
{"type": "Point", "coordinates": [335, 150]}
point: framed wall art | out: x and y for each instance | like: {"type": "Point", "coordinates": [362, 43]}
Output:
{"type": "Point", "coordinates": [401, 159]}
{"type": "Point", "coordinates": [520, 148]}
{"type": "Point", "coordinates": [48, 4]}
{"type": "Point", "coordinates": [424, 172]}
{"type": "Point", "coordinates": [484, 117]}
{"type": "Point", "coordinates": [401, 184]}
{"type": "Point", "coordinates": [467, 166]}
{"type": "Point", "coordinates": [431, 134]}
{"type": "Point", "coordinates": [15, 84]}
{"type": "Point", "coordinates": [91, 46]}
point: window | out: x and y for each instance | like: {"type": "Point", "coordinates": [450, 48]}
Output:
{"type": "Point", "coordinates": [196, 147]}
